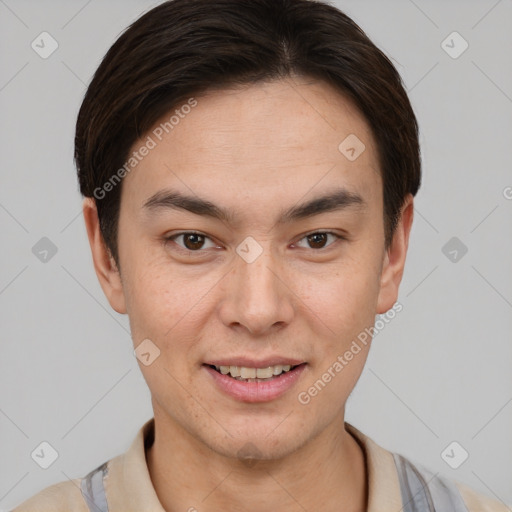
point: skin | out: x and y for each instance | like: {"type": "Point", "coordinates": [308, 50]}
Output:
{"type": "Point", "coordinates": [256, 150]}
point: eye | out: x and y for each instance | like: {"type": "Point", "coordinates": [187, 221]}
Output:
{"type": "Point", "coordinates": [318, 239]}
{"type": "Point", "coordinates": [192, 241]}
{"type": "Point", "coordinates": [195, 242]}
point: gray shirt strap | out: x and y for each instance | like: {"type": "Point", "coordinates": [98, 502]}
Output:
{"type": "Point", "coordinates": [423, 491]}
{"type": "Point", "coordinates": [93, 489]}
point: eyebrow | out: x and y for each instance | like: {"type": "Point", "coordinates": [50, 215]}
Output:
{"type": "Point", "coordinates": [337, 200]}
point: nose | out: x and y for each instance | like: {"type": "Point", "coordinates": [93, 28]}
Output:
{"type": "Point", "coordinates": [258, 295]}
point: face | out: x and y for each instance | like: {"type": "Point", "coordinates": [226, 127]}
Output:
{"type": "Point", "coordinates": [248, 239]}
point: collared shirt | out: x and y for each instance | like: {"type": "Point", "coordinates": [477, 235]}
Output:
{"type": "Point", "coordinates": [123, 484]}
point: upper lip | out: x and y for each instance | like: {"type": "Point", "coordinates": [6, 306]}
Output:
{"type": "Point", "coordinates": [255, 363]}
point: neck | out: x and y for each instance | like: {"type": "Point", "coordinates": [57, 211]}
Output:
{"type": "Point", "coordinates": [328, 473]}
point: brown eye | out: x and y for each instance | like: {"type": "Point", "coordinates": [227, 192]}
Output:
{"type": "Point", "coordinates": [191, 241]}
{"type": "Point", "coordinates": [319, 239]}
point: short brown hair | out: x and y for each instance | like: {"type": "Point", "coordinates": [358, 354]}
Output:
{"type": "Point", "coordinates": [183, 47]}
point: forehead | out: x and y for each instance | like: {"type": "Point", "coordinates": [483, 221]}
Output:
{"type": "Point", "coordinates": [271, 142]}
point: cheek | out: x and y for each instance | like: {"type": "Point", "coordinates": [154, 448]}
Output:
{"type": "Point", "coordinates": [156, 300]}
{"type": "Point", "coordinates": [344, 309]}
{"type": "Point", "coordinates": [343, 298]}
{"type": "Point", "coordinates": [168, 305]}
{"type": "Point", "coordinates": [164, 309]}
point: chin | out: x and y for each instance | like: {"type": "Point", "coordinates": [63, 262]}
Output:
{"type": "Point", "coordinates": [254, 449]}
{"type": "Point", "coordinates": [262, 440]}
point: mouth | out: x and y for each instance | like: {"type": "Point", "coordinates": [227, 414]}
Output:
{"type": "Point", "coordinates": [250, 380]}
{"type": "Point", "coordinates": [248, 374]}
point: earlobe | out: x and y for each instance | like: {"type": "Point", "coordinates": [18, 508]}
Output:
{"type": "Point", "coordinates": [104, 264]}
{"type": "Point", "coordinates": [394, 259]}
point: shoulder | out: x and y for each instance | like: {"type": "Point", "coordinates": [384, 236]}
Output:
{"type": "Point", "coordinates": [61, 497]}
{"type": "Point", "coordinates": [77, 495]}
{"type": "Point", "coordinates": [420, 486]}
{"type": "Point", "coordinates": [403, 484]}
{"type": "Point", "coordinates": [478, 502]}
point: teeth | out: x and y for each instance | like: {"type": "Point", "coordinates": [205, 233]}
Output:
{"type": "Point", "coordinates": [243, 372]}
{"type": "Point", "coordinates": [247, 373]}
{"type": "Point", "coordinates": [278, 369]}
{"type": "Point", "coordinates": [264, 373]}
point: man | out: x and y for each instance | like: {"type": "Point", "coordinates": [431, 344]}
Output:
{"type": "Point", "coordinates": [249, 169]}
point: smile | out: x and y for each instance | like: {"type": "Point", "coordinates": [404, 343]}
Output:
{"type": "Point", "coordinates": [247, 374]}
{"type": "Point", "coordinates": [255, 384]}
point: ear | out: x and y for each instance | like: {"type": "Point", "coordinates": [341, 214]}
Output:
{"type": "Point", "coordinates": [394, 259]}
{"type": "Point", "coordinates": [104, 264]}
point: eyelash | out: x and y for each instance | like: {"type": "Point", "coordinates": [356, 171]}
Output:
{"type": "Point", "coordinates": [189, 251]}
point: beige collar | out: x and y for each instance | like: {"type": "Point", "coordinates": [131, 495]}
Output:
{"type": "Point", "coordinates": [383, 484]}
{"type": "Point", "coordinates": [129, 487]}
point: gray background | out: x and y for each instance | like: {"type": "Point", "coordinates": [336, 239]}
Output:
{"type": "Point", "coordinates": [439, 372]}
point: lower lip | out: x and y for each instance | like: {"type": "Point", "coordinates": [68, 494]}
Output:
{"type": "Point", "coordinates": [263, 391]}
